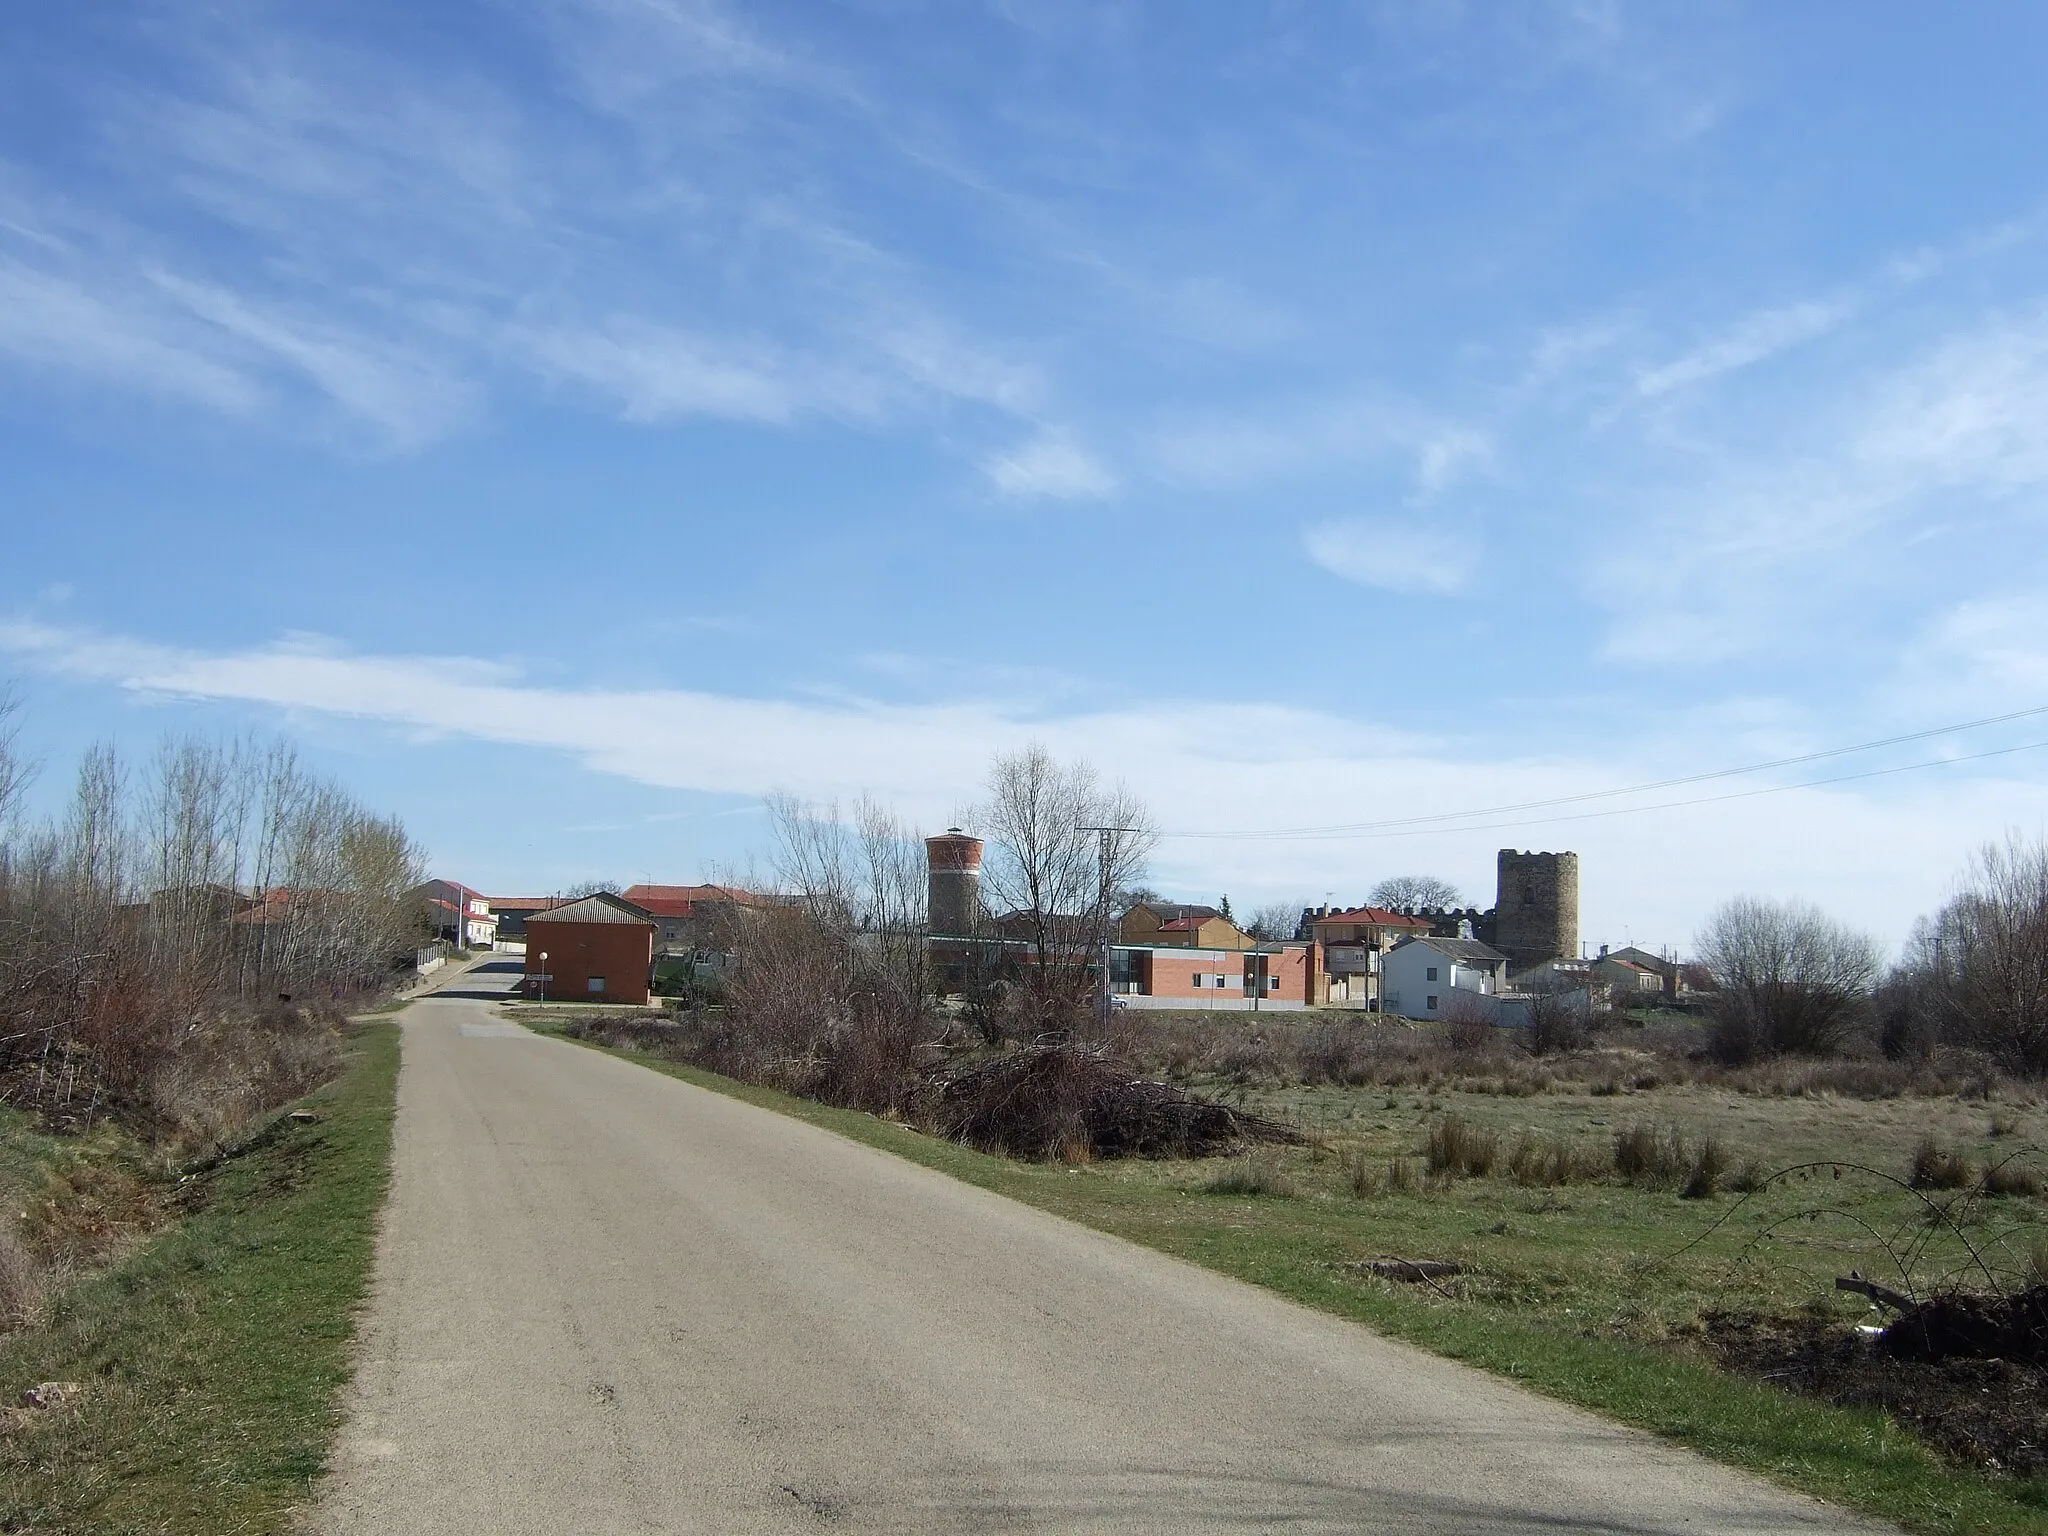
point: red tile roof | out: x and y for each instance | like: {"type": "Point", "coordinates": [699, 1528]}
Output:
{"type": "Point", "coordinates": [1380, 915]}
{"type": "Point", "coordinates": [662, 906]}
{"type": "Point", "coordinates": [640, 895]}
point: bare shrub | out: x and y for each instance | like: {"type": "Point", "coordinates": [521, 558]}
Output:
{"type": "Point", "coordinates": [1558, 1021]}
{"type": "Point", "coordinates": [1460, 1149]}
{"type": "Point", "coordinates": [1977, 974]}
{"type": "Point", "coordinates": [142, 933]}
{"type": "Point", "coordinates": [1337, 1053]}
{"type": "Point", "coordinates": [1788, 978]}
{"type": "Point", "coordinates": [2013, 1175]}
{"type": "Point", "coordinates": [1709, 1164]}
{"type": "Point", "coordinates": [1939, 1167]}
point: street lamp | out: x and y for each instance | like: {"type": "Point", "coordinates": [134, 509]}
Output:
{"type": "Point", "coordinates": [542, 978]}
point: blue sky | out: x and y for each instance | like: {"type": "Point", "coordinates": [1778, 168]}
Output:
{"type": "Point", "coordinates": [575, 418]}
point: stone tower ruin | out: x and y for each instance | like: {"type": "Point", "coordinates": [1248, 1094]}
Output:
{"type": "Point", "coordinates": [1536, 908]}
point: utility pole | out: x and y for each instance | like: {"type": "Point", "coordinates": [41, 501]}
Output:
{"type": "Point", "coordinates": [1103, 835]}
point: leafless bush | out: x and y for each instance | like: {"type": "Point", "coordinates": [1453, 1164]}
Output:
{"type": "Point", "coordinates": [1705, 1170]}
{"type": "Point", "coordinates": [1938, 1167]}
{"type": "Point", "coordinates": [831, 994]}
{"type": "Point", "coordinates": [1788, 977]}
{"type": "Point", "coordinates": [1977, 974]}
{"type": "Point", "coordinates": [142, 933]}
{"type": "Point", "coordinates": [2012, 1175]}
{"type": "Point", "coordinates": [1558, 1022]}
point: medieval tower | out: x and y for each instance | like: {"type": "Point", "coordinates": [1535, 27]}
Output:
{"type": "Point", "coordinates": [1536, 908]}
{"type": "Point", "coordinates": [953, 888]}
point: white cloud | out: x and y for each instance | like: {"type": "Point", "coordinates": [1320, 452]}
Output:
{"type": "Point", "coordinates": [1225, 452]}
{"type": "Point", "coordinates": [402, 233]}
{"type": "Point", "coordinates": [58, 324]}
{"type": "Point", "coordinates": [1991, 649]}
{"type": "Point", "coordinates": [1877, 856]}
{"type": "Point", "coordinates": [1396, 555]}
{"type": "Point", "coordinates": [1976, 410]}
{"type": "Point", "coordinates": [1750, 340]}
{"type": "Point", "coordinates": [659, 372]}
{"type": "Point", "coordinates": [1053, 468]}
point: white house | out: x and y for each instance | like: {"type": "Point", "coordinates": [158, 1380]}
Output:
{"type": "Point", "coordinates": [459, 914]}
{"type": "Point", "coordinates": [1420, 978]}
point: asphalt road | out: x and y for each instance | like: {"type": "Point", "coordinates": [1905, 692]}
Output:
{"type": "Point", "coordinates": [610, 1302]}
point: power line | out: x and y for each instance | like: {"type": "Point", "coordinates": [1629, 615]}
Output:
{"type": "Point", "coordinates": [1363, 828]}
{"type": "Point", "coordinates": [1397, 830]}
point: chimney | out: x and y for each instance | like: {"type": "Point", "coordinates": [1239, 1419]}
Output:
{"type": "Point", "coordinates": [953, 884]}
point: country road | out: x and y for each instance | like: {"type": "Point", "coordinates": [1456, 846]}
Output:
{"type": "Point", "coordinates": [607, 1301]}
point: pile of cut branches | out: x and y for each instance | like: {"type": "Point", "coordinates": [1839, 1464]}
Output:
{"type": "Point", "coordinates": [1971, 1327]}
{"type": "Point", "coordinates": [1072, 1101]}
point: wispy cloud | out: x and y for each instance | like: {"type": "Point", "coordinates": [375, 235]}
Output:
{"type": "Point", "coordinates": [1393, 554]}
{"type": "Point", "coordinates": [405, 240]}
{"type": "Point", "coordinates": [1751, 340]}
{"type": "Point", "coordinates": [109, 336]}
{"type": "Point", "coordinates": [1267, 443]}
{"type": "Point", "coordinates": [1052, 468]}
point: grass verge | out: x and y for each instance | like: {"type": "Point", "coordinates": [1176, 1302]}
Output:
{"type": "Point", "coordinates": [212, 1361]}
{"type": "Point", "coordinates": [1859, 1459]}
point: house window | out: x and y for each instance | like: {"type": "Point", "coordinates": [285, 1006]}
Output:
{"type": "Point", "coordinates": [596, 984]}
{"type": "Point", "coordinates": [1198, 980]}
{"type": "Point", "coordinates": [1272, 983]}
{"type": "Point", "coordinates": [1432, 977]}
{"type": "Point", "coordinates": [1430, 1002]}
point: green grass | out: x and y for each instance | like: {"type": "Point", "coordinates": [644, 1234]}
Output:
{"type": "Point", "coordinates": [213, 1359]}
{"type": "Point", "coordinates": [1556, 1319]}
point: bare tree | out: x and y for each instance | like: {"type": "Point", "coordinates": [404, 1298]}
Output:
{"type": "Point", "coordinates": [1276, 921]}
{"type": "Point", "coordinates": [14, 772]}
{"type": "Point", "coordinates": [1410, 893]}
{"type": "Point", "coordinates": [143, 937]}
{"type": "Point", "coordinates": [1790, 978]}
{"type": "Point", "coordinates": [1978, 972]}
{"type": "Point", "coordinates": [832, 995]}
{"type": "Point", "coordinates": [1062, 844]}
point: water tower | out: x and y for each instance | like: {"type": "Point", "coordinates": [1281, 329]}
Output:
{"type": "Point", "coordinates": [953, 870]}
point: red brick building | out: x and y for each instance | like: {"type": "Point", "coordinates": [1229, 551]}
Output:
{"type": "Point", "coordinates": [1270, 976]}
{"type": "Point", "coordinates": [597, 950]}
